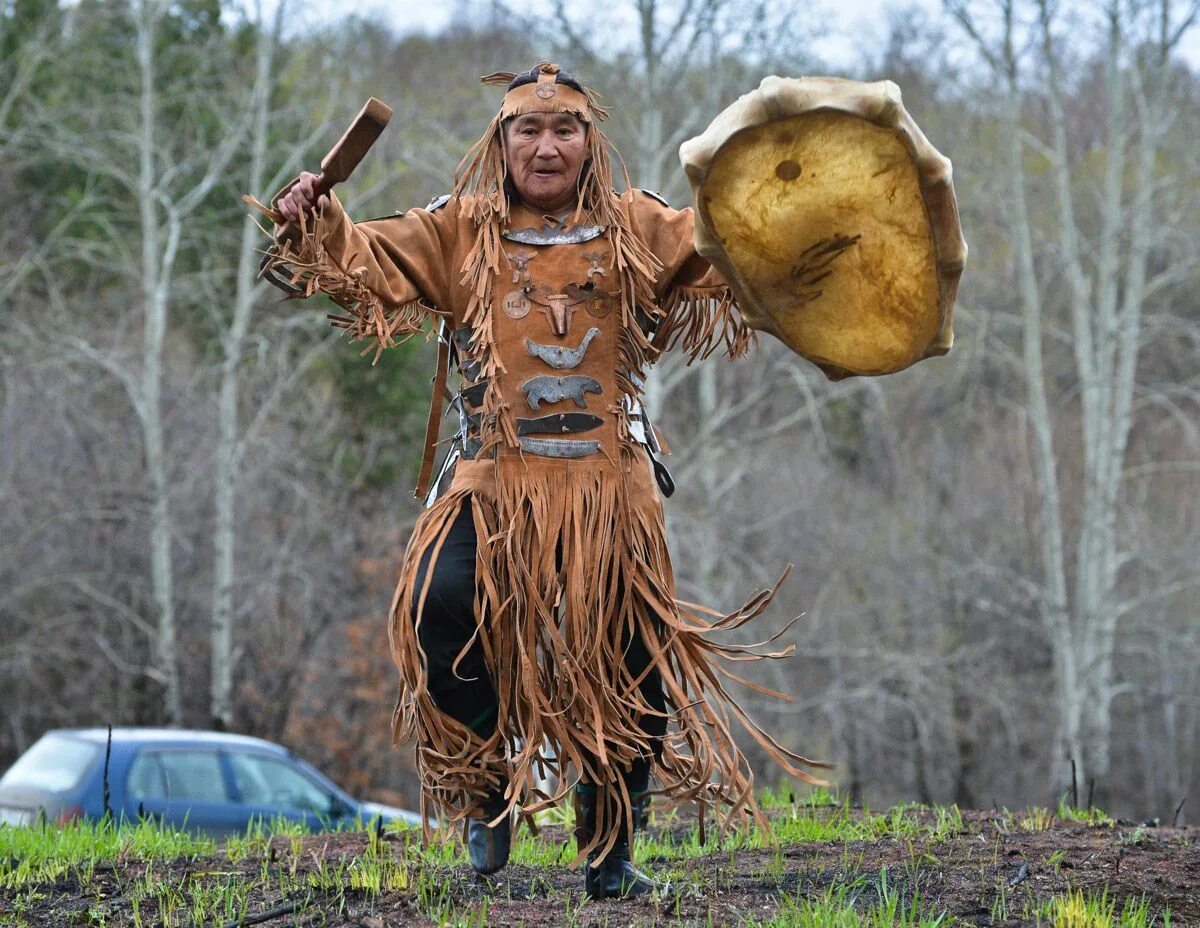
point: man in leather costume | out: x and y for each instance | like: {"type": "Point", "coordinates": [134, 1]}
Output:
{"type": "Point", "coordinates": [535, 626]}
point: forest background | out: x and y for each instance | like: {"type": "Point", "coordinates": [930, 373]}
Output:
{"type": "Point", "coordinates": [205, 492]}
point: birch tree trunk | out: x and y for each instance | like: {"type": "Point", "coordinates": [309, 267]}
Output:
{"type": "Point", "coordinates": [168, 186]}
{"type": "Point", "coordinates": [1106, 272]}
{"type": "Point", "coordinates": [160, 241]}
{"type": "Point", "coordinates": [229, 449]}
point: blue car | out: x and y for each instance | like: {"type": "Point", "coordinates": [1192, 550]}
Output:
{"type": "Point", "coordinates": [202, 781]}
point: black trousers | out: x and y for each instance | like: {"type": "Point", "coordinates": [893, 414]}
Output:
{"type": "Point", "coordinates": [465, 692]}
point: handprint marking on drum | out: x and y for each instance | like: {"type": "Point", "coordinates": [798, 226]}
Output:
{"type": "Point", "coordinates": [814, 263]}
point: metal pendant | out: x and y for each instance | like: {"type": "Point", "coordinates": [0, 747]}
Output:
{"type": "Point", "coordinates": [597, 302]}
{"type": "Point", "coordinates": [520, 264]}
{"type": "Point", "coordinates": [547, 389]}
{"type": "Point", "coordinates": [462, 345]}
{"type": "Point", "coordinates": [554, 235]}
{"type": "Point", "coordinates": [597, 305]}
{"type": "Point", "coordinates": [560, 447]}
{"type": "Point", "coordinates": [594, 258]}
{"type": "Point", "coordinates": [563, 422]}
{"type": "Point", "coordinates": [473, 395]}
{"type": "Point", "coordinates": [558, 357]}
{"type": "Point", "coordinates": [516, 305]}
{"type": "Point", "coordinates": [558, 308]}
{"type": "Point", "coordinates": [462, 338]}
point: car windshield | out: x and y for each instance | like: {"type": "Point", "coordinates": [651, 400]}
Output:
{"type": "Point", "coordinates": [55, 763]}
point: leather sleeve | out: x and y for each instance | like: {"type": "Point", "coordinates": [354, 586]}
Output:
{"type": "Point", "coordinates": [667, 233]}
{"type": "Point", "coordinates": [389, 274]}
{"type": "Point", "coordinates": [400, 258]}
{"type": "Point", "coordinates": [699, 313]}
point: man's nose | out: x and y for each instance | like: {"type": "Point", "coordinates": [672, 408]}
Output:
{"type": "Point", "coordinates": [546, 147]}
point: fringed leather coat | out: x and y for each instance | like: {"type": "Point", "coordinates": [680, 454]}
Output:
{"type": "Point", "coordinates": [554, 327]}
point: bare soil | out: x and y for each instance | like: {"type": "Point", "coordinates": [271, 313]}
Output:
{"type": "Point", "coordinates": [990, 872]}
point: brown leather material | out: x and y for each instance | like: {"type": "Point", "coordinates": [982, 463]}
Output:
{"type": "Point", "coordinates": [435, 418]}
{"type": "Point", "coordinates": [572, 551]}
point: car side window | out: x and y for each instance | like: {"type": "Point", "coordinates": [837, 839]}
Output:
{"type": "Point", "coordinates": [269, 781]}
{"type": "Point", "coordinates": [194, 775]}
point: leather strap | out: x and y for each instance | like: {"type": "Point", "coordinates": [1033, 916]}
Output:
{"type": "Point", "coordinates": [435, 417]}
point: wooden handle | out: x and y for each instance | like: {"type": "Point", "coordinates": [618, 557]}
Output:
{"type": "Point", "coordinates": [343, 158]}
{"type": "Point", "coordinates": [355, 142]}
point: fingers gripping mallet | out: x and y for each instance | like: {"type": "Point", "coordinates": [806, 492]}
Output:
{"type": "Point", "coordinates": [346, 154]}
{"type": "Point", "coordinates": [336, 167]}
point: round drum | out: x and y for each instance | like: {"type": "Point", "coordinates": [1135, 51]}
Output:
{"type": "Point", "coordinates": [834, 221]}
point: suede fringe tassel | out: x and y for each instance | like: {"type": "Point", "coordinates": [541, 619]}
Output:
{"type": "Point", "coordinates": [566, 571]}
{"type": "Point", "coordinates": [703, 321]}
{"type": "Point", "coordinates": [310, 269]}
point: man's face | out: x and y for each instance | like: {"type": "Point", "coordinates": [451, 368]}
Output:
{"type": "Point", "coordinates": [545, 153]}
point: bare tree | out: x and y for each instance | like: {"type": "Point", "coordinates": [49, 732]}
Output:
{"type": "Point", "coordinates": [168, 175]}
{"type": "Point", "coordinates": [1104, 271]}
{"type": "Point", "coordinates": [231, 443]}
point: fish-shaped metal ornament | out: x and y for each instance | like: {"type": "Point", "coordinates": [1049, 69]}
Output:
{"type": "Point", "coordinates": [562, 422]}
{"type": "Point", "coordinates": [560, 357]}
{"type": "Point", "coordinates": [560, 447]}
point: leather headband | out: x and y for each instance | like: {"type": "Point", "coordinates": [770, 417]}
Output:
{"type": "Point", "coordinates": [545, 96]}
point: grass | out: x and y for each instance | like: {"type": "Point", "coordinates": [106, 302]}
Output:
{"type": "Point", "coordinates": [1077, 910]}
{"type": "Point", "coordinates": [145, 874]}
{"type": "Point", "coordinates": [1092, 817]}
{"type": "Point", "coordinates": [840, 907]}
{"type": "Point", "coordinates": [46, 854]}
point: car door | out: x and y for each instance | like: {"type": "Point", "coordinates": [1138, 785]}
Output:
{"type": "Point", "coordinates": [184, 787]}
{"type": "Point", "coordinates": [273, 786]}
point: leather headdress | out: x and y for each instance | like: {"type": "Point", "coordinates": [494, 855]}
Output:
{"type": "Point", "coordinates": [546, 94]}
{"type": "Point", "coordinates": [482, 172]}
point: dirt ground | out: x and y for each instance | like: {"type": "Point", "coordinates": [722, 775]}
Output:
{"type": "Point", "coordinates": [986, 873]}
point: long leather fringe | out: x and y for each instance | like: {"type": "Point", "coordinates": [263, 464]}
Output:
{"type": "Point", "coordinates": [702, 321]}
{"type": "Point", "coordinates": [311, 269]}
{"type": "Point", "coordinates": [565, 568]}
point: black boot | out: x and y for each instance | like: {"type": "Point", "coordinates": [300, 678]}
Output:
{"type": "Point", "coordinates": [614, 876]}
{"type": "Point", "coordinates": [488, 845]}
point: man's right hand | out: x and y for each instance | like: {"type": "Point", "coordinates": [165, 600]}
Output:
{"type": "Point", "coordinates": [300, 199]}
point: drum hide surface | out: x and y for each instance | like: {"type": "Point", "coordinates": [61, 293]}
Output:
{"type": "Point", "coordinates": [834, 221]}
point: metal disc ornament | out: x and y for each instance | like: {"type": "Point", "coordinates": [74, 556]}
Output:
{"type": "Point", "coordinates": [516, 305]}
{"type": "Point", "coordinates": [598, 305]}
